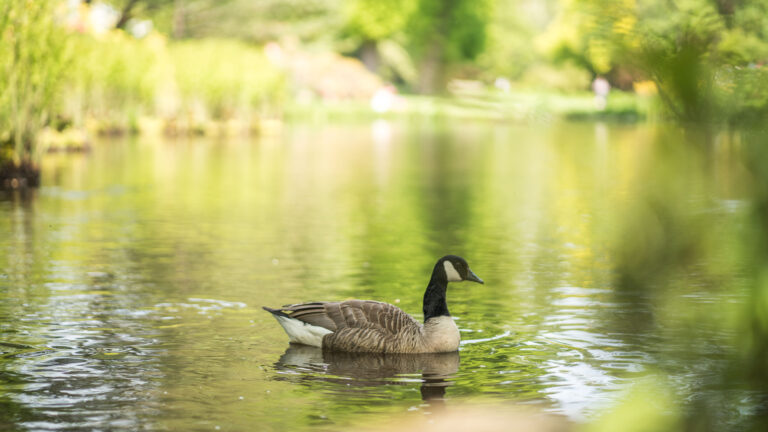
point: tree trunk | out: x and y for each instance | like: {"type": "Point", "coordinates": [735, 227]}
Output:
{"type": "Point", "coordinates": [178, 31]}
{"type": "Point", "coordinates": [125, 15]}
{"type": "Point", "coordinates": [432, 74]}
{"type": "Point", "coordinates": [369, 55]}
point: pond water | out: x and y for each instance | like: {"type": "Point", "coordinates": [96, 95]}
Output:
{"type": "Point", "coordinates": [131, 282]}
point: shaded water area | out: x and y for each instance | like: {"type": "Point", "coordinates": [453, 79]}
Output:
{"type": "Point", "coordinates": [132, 280]}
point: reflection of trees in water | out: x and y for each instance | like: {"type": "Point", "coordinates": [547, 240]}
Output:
{"type": "Point", "coordinates": [753, 360]}
{"type": "Point", "coordinates": [678, 264]}
{"type": "Point", "coordinates": [372, 369]}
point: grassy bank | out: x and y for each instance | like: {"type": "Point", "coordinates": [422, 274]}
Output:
{"type": "Point", "coordinates": [120, 84]}
{"type": "Point", "coordinates": [513, 106]}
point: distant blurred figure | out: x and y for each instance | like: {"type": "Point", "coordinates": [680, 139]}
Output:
{"type": "Point", "coordinates": [601, 88]}
{"type": "Point", "coordinates": [274, 53]}
{"type": "Point", "coordinates": [502, 84]}
{"type": "Point", "coordinates": [384, 99]}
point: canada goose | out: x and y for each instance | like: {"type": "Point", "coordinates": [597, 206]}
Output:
{"type": "Point", "coordinates": [371, 326]}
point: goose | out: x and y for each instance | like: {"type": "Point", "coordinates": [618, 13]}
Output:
{"type": "Point", "coordinates": [377, 327]}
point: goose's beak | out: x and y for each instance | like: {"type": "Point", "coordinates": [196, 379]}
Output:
{"type": "Point", "coordinates": [471, 276]}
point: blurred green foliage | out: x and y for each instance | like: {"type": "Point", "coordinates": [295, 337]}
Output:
{"type": "Point", "coordinates": [706, 58]}
{"type": "Point", "coordinates": [33, 59]}
{"type": "Point", "coordinates": [236, 82]}
{"type": "Point", "coordinates": [509, 32]}
{"type": "Point", "coordinates": [432, 34]}
{"type": "Point", "coordinates": [114, 79]}
{"type": "Point", "coordinates": [648, 407]}
{"type": "Point", "coordinates": [377, 20]}
{"type": "Point", "coordinates": [118, 80]}
{"type": "Point", "coordinates": [111, 82]}
{"type": "Point", "coordinates": [391, 35]}
{"type": "Point", "coordinates": [252, 21]}
{"type": "Point", "coordinates": [444, 33]}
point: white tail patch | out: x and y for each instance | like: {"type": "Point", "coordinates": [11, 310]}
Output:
{"type": "Point", "coordinates": [450, 272]}
{"type": "Point", "coordinates": [301, 332]}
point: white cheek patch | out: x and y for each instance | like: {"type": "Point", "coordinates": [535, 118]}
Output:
{"type": "Point", "coordinates": [450, 272]}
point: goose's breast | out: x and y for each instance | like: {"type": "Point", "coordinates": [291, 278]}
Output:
{"type": "Point", "coordinates": [442, 335]}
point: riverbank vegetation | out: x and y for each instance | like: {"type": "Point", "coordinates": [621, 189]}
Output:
{"type": "Point", "coordinates": [62, 81]}
{"type": "Point", "coordinates": [32, 68]}
{"type": "Point", "coordinates": [123, 66]}
{"type": "Point", "coordinates": [121, 84]}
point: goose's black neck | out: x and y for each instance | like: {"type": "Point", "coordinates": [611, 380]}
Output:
{"type": "Point", "coordinates": [434, 296]}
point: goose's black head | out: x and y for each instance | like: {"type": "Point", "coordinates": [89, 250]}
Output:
{"type": "Point", "coordinates": [454, 268]}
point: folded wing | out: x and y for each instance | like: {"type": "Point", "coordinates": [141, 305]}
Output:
{"type": "Point", "coordinates": [353, 314]}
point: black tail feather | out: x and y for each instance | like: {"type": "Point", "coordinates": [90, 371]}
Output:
{"type": "Point", "coordinates": [277, 312]}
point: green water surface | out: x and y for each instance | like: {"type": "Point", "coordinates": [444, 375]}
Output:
{"type": "Point", "coordinates": [131, 282]}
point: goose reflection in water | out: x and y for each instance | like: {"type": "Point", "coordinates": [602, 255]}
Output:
{"type": "Point", "coordinates": [374, 369]}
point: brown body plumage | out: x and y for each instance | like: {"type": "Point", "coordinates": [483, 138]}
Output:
{"type": "Point", "coordinates": [371, 326]}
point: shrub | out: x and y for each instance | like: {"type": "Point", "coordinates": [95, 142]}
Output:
{"type": "Point", "coordinates": [33, 60]}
